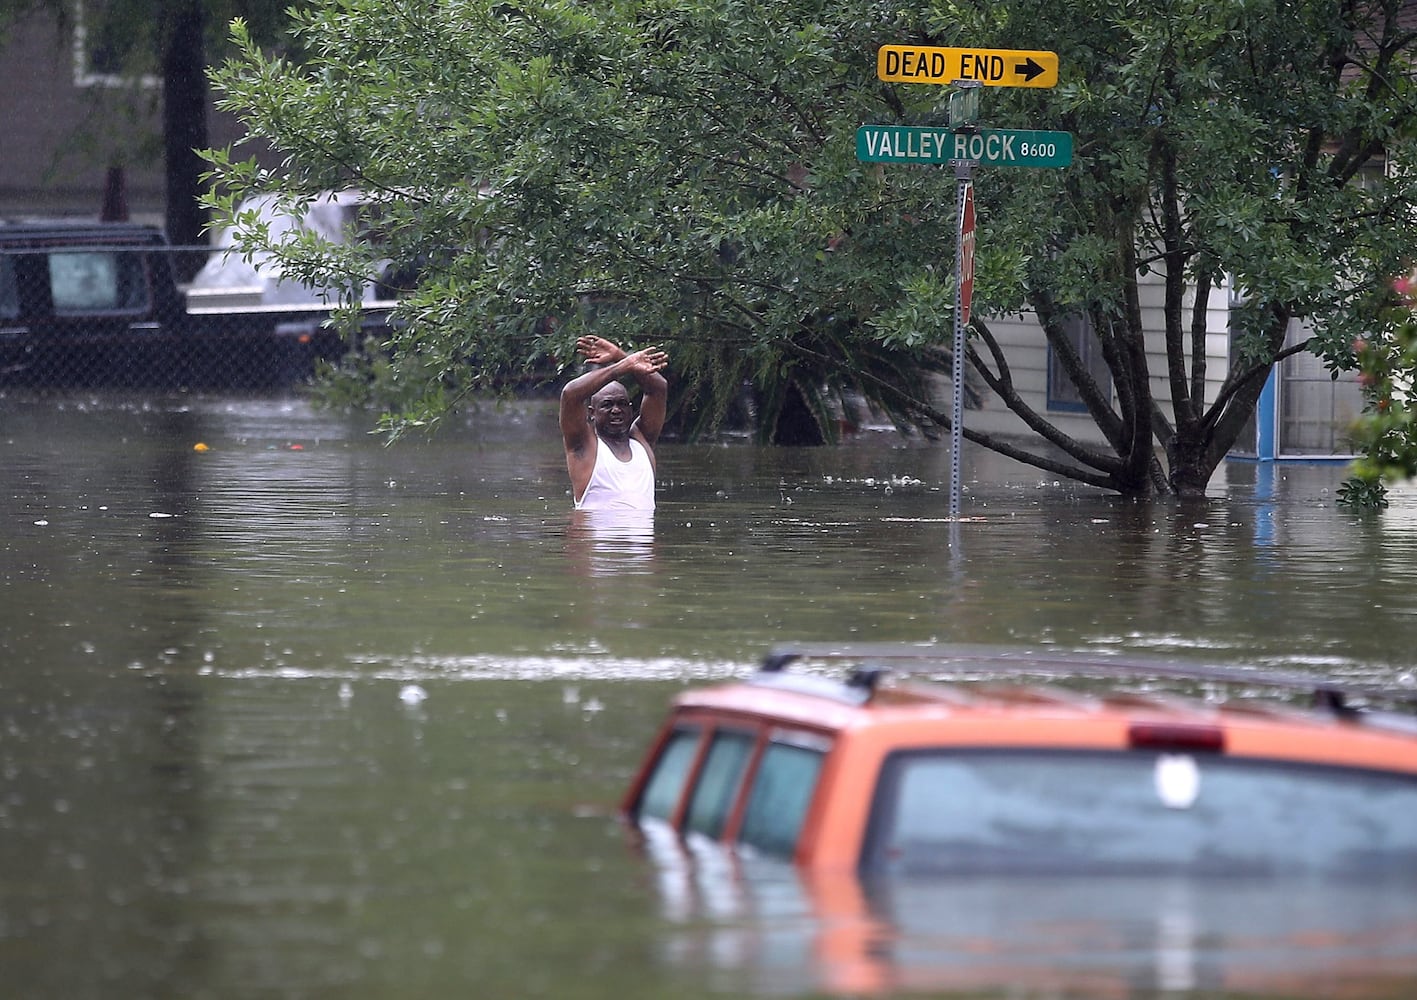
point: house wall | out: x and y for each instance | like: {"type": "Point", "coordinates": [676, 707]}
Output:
{"type": "Point", "coordinates": [60, 132]}
{"type": "Point", "coordinates": [1024, 345]}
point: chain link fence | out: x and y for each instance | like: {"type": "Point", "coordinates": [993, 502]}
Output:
{"type": "Point", "coordinates": [113, 307]}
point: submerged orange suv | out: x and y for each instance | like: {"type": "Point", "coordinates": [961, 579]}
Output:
{"type": "Point", "coordinates": [1028, 761]}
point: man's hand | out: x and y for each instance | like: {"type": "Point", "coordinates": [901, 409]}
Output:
{"type": "Point", "coordinates": [598, 350]}
{"type": "Point", "coordinates": [646, 362]}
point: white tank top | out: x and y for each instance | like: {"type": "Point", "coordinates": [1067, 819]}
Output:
{"type": "Point", "coordinates": [617, 485]}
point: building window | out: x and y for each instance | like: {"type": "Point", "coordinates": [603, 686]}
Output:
{"type": "Point", "coordinates": [1316, 410]}
{"type": "Point", "coordinates": [1063, 396]}
{"type": "Point", "coordinates": [100, 52]}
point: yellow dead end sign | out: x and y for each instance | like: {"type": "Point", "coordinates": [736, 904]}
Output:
{"type": "Point", "coordinates": [990, 67]}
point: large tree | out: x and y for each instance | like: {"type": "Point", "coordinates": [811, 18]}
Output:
{"type": "Point", "coordinates": [685, 172]}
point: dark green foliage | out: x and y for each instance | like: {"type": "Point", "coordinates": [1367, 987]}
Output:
{"type": "Point", "coordinates": [685, 174]}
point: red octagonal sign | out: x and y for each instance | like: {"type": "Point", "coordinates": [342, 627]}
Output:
{"type": "Point", "coordinates": [966, 254]}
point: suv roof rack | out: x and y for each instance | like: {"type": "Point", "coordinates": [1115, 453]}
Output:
{"type": "Point", "coordinates": [878, 659]}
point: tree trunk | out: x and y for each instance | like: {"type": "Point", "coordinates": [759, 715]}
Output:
{"type": "Point", "coordinates": [184, 118]}
{"type": "Point", "coordinates": [1190, 468]}
{"type": "Point", "coordinates": [796, 425]}
{"type": "Point", "coordinates": [1194, 458]}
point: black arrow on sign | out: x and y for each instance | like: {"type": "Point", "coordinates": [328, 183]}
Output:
{"type": "Point", "coordinates": [1028, 69]}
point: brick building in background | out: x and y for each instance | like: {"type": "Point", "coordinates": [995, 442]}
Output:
{"type": "Point", "coordinates": [69, 130]}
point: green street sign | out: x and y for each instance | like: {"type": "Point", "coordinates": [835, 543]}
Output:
{"type": "Point", "coordinates": [989, 147]}
{"type": "Point", "coordinates": [964, 106]}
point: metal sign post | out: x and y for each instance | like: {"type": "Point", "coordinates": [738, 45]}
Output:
{"type": "Point", "coordinates": [966, 145]}
{"type": "Point", "coordinates": [964, 290]}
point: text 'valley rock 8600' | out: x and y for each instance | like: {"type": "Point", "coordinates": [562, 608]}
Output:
{"type": "Point", "coordinates": [990, 147]}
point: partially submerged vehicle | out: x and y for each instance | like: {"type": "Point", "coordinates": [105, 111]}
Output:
{"type": "Point", "coordinates": [100, 304]}
{"type": "Point", "coordinates": [233, 279]}
{"type": "Point", "coordinates": [1037, 762]}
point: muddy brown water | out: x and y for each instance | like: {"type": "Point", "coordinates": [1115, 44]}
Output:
{"type": "Point", "coordinates": [285, 712]}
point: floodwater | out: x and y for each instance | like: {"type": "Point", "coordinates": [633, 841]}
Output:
{"type": "Point", "coordinates": [285, 713]}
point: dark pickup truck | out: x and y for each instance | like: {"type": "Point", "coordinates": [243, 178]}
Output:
{"type": "Point", "coordinates": [85, 304]}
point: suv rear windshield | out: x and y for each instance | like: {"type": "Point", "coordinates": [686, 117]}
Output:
{"type": "Point", "coordinates": [1135, 812]}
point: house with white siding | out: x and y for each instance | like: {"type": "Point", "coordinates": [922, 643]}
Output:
{"type": "Point", "coordinates": [1303, 414]}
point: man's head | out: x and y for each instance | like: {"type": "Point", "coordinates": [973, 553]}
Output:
{"type": "Point", "coordinates": [610, 413]}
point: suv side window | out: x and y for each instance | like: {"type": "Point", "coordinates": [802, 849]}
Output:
{"type": "Point", "coordinates": [671, 770]}
{"type": "Point", "coordinates": [92, 281]}
{"type": "Point", "coordinates": [780, 768]}
{"type": "Point", "coordinates": [782, 790]}
{"type": "Point", "coordinates": [719, 781]}
{"type": "Point", "coordinates": [9, 288]}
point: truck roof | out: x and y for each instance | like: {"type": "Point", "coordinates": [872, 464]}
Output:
{"type": "Point", "coordinates": [77, 232]}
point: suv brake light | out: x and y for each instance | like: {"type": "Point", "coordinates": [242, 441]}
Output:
{"type": "Point", "coordinates": [1175, 736]}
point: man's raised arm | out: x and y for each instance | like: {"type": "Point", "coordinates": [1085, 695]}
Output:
{"type": "Point", "coordinates": [654, 396]}
{"type": "Point", "coordinates": [644, 366]}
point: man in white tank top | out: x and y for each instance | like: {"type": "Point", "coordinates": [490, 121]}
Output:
{"type": "Point", "coordinates": [610, 450]}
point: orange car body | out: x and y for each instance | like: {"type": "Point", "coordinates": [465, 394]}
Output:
{"type": "Point", "coordinates": [857, 727]}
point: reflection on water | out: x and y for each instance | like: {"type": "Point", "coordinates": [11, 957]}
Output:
{"type": "Point", "coordinates": [211, 787]}
{"type": "Point", "coordinates": [783, 931]}
{"type": "Point", "coordinates": [610, 542]}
